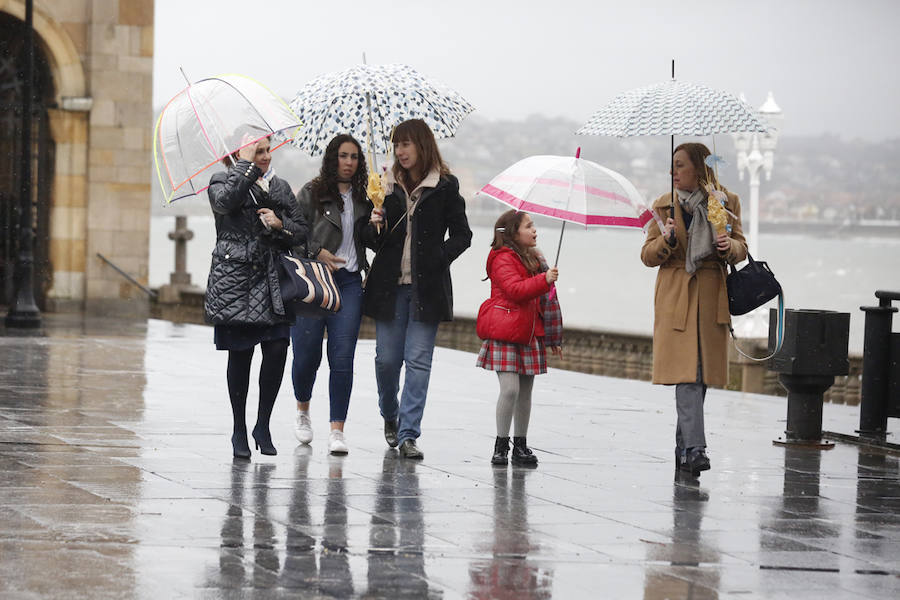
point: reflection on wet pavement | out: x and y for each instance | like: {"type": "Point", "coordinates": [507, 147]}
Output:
{"type": "Point", "coordinates": [117, 481]}
{"type": "Point", "coordinates": [510, 573]}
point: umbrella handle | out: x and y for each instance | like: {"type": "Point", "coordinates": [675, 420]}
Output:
{"type": "Point", "coordinates": [559, 247]}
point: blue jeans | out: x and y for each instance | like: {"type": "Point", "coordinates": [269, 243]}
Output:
{"type": "Point", "coordinates": [343, 331]}
{"type": "Point", "coordinates": [397, 342]}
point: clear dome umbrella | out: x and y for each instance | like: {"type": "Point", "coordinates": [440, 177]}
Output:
{"type": "Point", "coordinates": [570, 189]}
{"type": "Point", "coordinates": [208, 121]}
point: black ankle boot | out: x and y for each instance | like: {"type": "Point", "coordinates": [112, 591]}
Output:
{"type": "Point", "coordinates": [263, 440]}
{"type": "Point", "coordinates": [501, 449]}
{"type": "Point", "coordinates": [522, 454]}
{"type": "Point", "coordinates": [239, 444]}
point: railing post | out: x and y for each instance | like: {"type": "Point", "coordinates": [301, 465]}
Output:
{"type": "Point", "coordinates": [813, 352]}
{"type": "Point", "coordinates": [877, 366]}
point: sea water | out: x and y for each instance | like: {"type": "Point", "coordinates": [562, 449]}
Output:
{"type": "Point", "coordinates": [604, 286]}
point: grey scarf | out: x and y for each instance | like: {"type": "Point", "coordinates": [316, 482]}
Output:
{"type": "Point", "coordinates": [700, 234]}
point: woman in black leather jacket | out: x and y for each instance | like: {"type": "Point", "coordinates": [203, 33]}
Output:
{"type": "Point", "coordinates": [256, 218]}
{"type": "Point", "coordinates": [335, 206]}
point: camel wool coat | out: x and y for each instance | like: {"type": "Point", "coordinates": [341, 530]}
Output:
{"type": "Point", "coordinates": [690, 310]}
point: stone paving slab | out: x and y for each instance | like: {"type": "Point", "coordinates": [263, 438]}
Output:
{"type": "Point", "coordinates": [117, 481]}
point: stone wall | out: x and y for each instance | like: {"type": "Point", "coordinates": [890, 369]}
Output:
{"type": "Point", "coordinates": [101, 60]}
{"type": "Point", "coordinates": [596, 352]}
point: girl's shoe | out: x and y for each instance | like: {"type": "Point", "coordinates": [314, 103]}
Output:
{"type": "Point", "coordinates": [501, 450]}
{"type": "Point", "coordinates": [522, 455]}
{"type": "Point", "coordinates": [263, 440]}
{"type": "Point", "coordinates": [239, 445]}
{"type": "Point", "coordinates": [336, 444]}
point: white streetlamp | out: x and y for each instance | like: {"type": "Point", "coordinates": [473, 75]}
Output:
{"type": "Point", "coordinates": [756, 152]}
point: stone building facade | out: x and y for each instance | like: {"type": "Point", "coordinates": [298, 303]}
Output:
{"type": "Point", "coordinates": [92, 148]}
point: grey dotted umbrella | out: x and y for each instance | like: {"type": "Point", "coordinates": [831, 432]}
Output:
{"type": "Point", "coordinates": [376, 96]}
{"type": "Point", "coordinates": [673, 108]}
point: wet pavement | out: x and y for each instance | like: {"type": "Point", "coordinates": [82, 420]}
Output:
{"type": "Point", "coordinates": [117, 481]}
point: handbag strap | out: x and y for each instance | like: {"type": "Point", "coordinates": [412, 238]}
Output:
{"type": "Point", "coordinates": [779, 338]}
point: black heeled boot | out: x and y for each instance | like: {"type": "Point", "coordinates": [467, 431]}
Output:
{"type": "Point", "coordinates": [522, 455]}
{"type": "Point", "coordinates": [501, 450]}
{"type": "Point", "coordinates": [240, 445]}
{"type": "Point", "coordinates": [263, 440]}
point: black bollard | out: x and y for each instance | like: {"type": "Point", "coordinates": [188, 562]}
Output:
{"type": "Point", "coordinates": [813, 352]}
{"type": "Point", "coordinates": [879, 363]}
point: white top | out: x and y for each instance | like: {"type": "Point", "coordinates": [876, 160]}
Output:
{"type": "Point", "coordinates": [347, 249]}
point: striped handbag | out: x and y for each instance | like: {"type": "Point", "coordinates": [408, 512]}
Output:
{"type": "Point", "coordinates": [307, 287]}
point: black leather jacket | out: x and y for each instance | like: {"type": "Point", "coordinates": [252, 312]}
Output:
{"type": "Point", "coordinates": [243, 284]}
{"type": "Point", "coordinates": [325, 229]}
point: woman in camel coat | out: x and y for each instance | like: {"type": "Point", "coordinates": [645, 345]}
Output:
{"type": "Point", "coordinates": [690, 329]}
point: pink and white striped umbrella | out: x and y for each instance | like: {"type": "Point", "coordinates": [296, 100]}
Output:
{"type": "Point", "coordinates": [570, 189]}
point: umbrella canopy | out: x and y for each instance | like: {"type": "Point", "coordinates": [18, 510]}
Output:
{"type": "Point", "coordinates": [570, 189]}
{"type": "Point", "coordinates": [673, 108]}
{"type": "Point", "coordinates": [207, 121]}
{"type": "Point", "coordinates": [369, 100]}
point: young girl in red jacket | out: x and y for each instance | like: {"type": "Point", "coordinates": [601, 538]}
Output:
{"type": "Point", "coordinates": [517, 323]}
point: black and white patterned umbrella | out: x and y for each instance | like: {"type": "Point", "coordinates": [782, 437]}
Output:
{"type": "Point", "coordinates": [673, 108]}
{"type": "Point", "coordinates": [380, 96]}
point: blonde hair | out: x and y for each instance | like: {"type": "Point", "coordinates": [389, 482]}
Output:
{"type": "Point", "coordinates": [697, 153]}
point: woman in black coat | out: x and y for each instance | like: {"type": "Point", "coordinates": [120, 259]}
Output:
{"type": "Point", "coordinates": [423, 228]}
{"type": "Point", "coordinates": [256, 218]}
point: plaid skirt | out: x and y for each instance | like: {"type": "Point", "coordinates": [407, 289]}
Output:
{"type": "Point", "coordinates": [521, 359]}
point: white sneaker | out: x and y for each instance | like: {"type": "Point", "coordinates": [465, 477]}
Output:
{"type": "Point", "coordinates": [336, 444]}
{"type": "Point", "coordinates": [303, 427]}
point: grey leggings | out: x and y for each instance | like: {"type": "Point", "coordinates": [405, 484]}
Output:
{"type": "Point", "coordinates": [515, 399]}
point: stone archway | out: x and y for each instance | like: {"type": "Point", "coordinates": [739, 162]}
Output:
{"type": "Point", "coordinates": [41, 153]}
{"type": "Point", "coordinates": [62, 152]}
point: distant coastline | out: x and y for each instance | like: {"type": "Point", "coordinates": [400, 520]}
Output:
{"type": "Point", "coordinates": [864, 228]}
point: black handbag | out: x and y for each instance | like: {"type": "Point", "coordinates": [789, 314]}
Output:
{"type": "Point", "coordinates": [751, 287]}
{"type": "Point", "coordinates": [307, 287]}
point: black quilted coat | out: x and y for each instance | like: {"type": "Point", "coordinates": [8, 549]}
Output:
{"type": "Point", "coordinates": [243, 284]}
{"type": "Point", "coordinates": [440, 233]}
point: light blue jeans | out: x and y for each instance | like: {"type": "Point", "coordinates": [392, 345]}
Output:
{"type": "Point", "coordinates": [398, 342]}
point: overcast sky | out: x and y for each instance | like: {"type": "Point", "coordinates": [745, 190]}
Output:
{"type": "Point", "coordinates": [832, 65]}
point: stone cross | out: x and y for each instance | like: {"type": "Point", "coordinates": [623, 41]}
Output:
{"type": "Point", "coordinates": [181, 235]}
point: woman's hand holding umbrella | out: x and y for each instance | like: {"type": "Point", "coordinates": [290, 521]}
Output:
{"type": "Point", "coordinates": [269, 219]}
{"type": "Point", "coordinates": [669, 231]}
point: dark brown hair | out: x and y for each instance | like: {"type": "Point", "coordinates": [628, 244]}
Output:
{"type": "Point", "coordinates": [326, 184]}
{"type": "Point", "coordinates": [697, 154]}
{"type": "Point", "coordinates": [505, 231]}
{"type": "Point", "coordinates": [429, 158]}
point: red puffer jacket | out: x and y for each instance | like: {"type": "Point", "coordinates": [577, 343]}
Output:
{"type": "Point", "coordinates": [513, 312]}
